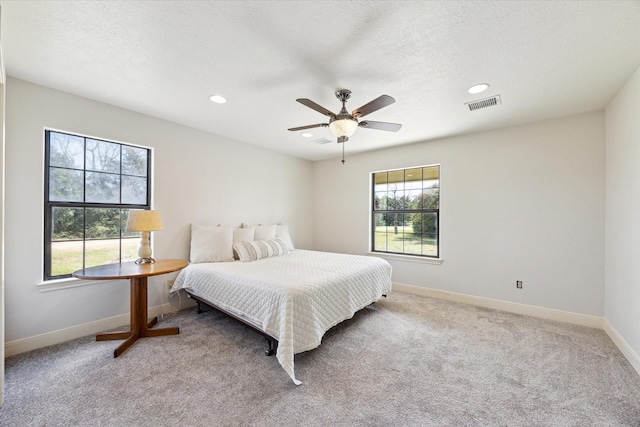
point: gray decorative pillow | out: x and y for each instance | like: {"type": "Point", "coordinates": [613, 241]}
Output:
{"type": "Point", "coordinates": [258, 249]}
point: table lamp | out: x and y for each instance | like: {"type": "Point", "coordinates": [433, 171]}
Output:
{"type": "Point", "coordinates": [144, 221]}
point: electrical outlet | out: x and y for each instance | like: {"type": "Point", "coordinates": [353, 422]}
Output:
{"type": "Point", "coordinates": [519, 284]}
{"type": "Point", "coordinates": [170, 283]}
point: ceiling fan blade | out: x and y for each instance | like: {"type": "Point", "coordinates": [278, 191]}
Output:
{"type": "Point", "coordinates": [378, 103]}
{"type": "Point", "coordinates": [317, 125]}
{"type": "Point", "coordinates": [319, 108]}
{"type": "Point", "coordinates": [390, 127]}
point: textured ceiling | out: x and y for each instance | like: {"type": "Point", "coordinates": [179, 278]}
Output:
{"type": "Point", "coordinates": [165, 58]}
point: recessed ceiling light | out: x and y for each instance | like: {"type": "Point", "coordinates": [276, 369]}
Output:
{"type": "Point", "coordinates": [307, 135]}
{"type": "Point", "coordinates": [478, 88]}
{"type": "Point", "coordinates": [218, 99]}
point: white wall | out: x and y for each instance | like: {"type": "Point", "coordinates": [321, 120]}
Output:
{"type": "Point", "coordinates": [622, 288]}
{"type": "Point", "coordinates": [198, 177]}
{"type": "Point", "coordinates": [520, 203]}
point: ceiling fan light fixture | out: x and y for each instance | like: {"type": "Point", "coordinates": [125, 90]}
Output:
{"type": "Point", "coordinates": [344, 124]}
{"type": "Point", "coordinates": [343, 127]}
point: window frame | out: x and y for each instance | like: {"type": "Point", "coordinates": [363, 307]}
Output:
{"type": "Point", "coordinates": [50, 205]}
{"type": "Point", "coordinates": [373, 212]}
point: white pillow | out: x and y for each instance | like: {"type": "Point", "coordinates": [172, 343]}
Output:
{"type": "Point", "coordinates": [244, 234]}
{"type": "Point", "coordinates": [282, 231]}
{"type": "Point", "coordinates": [258, 249]}
{"type": "Point", "coordinates": [211, 244]}
{"type": "Point", "coordinates": [263, 232]}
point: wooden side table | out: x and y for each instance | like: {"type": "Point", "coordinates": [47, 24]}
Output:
{"type": "Point", "coordinates": [137, 274]}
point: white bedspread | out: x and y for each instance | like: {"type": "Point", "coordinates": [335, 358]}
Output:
{"type": "Point", "coordinates": [295, 297]}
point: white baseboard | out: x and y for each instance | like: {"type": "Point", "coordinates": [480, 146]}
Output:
{"type": "Point", "coordinates": [511, 307]}
{"type": "Point", "coordinates": [625, 348]}
{"type": "Point", "coordinates": [50, 338]}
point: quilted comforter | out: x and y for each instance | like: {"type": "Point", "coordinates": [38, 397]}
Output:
{"type": "Point", "coordinates": [295, 297]}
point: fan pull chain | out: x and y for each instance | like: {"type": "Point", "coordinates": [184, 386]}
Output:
{"type": "Point", "coordinates": [343, 144]}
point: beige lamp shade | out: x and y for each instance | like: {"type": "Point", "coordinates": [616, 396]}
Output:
{"type": "Point", "coordinates": [143, 220]}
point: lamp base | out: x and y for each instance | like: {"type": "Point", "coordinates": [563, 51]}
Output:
{"type": "Point", "coordinates": [148, 260]}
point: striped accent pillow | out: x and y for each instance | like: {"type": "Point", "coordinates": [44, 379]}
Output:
{"type": "Point", "coordinates": [258, 249]}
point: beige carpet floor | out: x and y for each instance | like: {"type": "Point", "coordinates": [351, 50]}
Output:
{"type": "Point", "coordinates": [404, 361]}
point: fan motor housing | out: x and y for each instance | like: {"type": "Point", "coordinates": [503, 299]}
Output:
{"type": "Point", "coordinates": [343, 94]}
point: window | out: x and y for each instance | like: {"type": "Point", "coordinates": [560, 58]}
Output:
{"type": "Point", "coordinates": [406, 211]}
{"type": "Point", "coordinates": [90, 185]}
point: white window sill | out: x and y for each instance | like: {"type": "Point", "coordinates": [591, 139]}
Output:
{"type": "Point", "coordinates": [66, 283]}
{"type": "Point", "coordinates": [410, 258]}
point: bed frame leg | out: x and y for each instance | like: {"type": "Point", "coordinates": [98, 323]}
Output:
{"type": "Point", "coordinates": [199, 307]}
{"type": "Point", "coordinates": [272, 347]}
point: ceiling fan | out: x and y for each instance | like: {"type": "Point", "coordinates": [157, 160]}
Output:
{"type": "Point", "coordinates": [343, 124]}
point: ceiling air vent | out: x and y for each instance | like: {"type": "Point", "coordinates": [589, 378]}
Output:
{"type": "Point", "coordinates": [483, 103]}
{"type": "Point", "coordinates": [322, 141]}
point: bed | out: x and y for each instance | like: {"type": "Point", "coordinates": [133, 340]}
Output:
{"type": "Point", "coordinates": [292, 299]}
